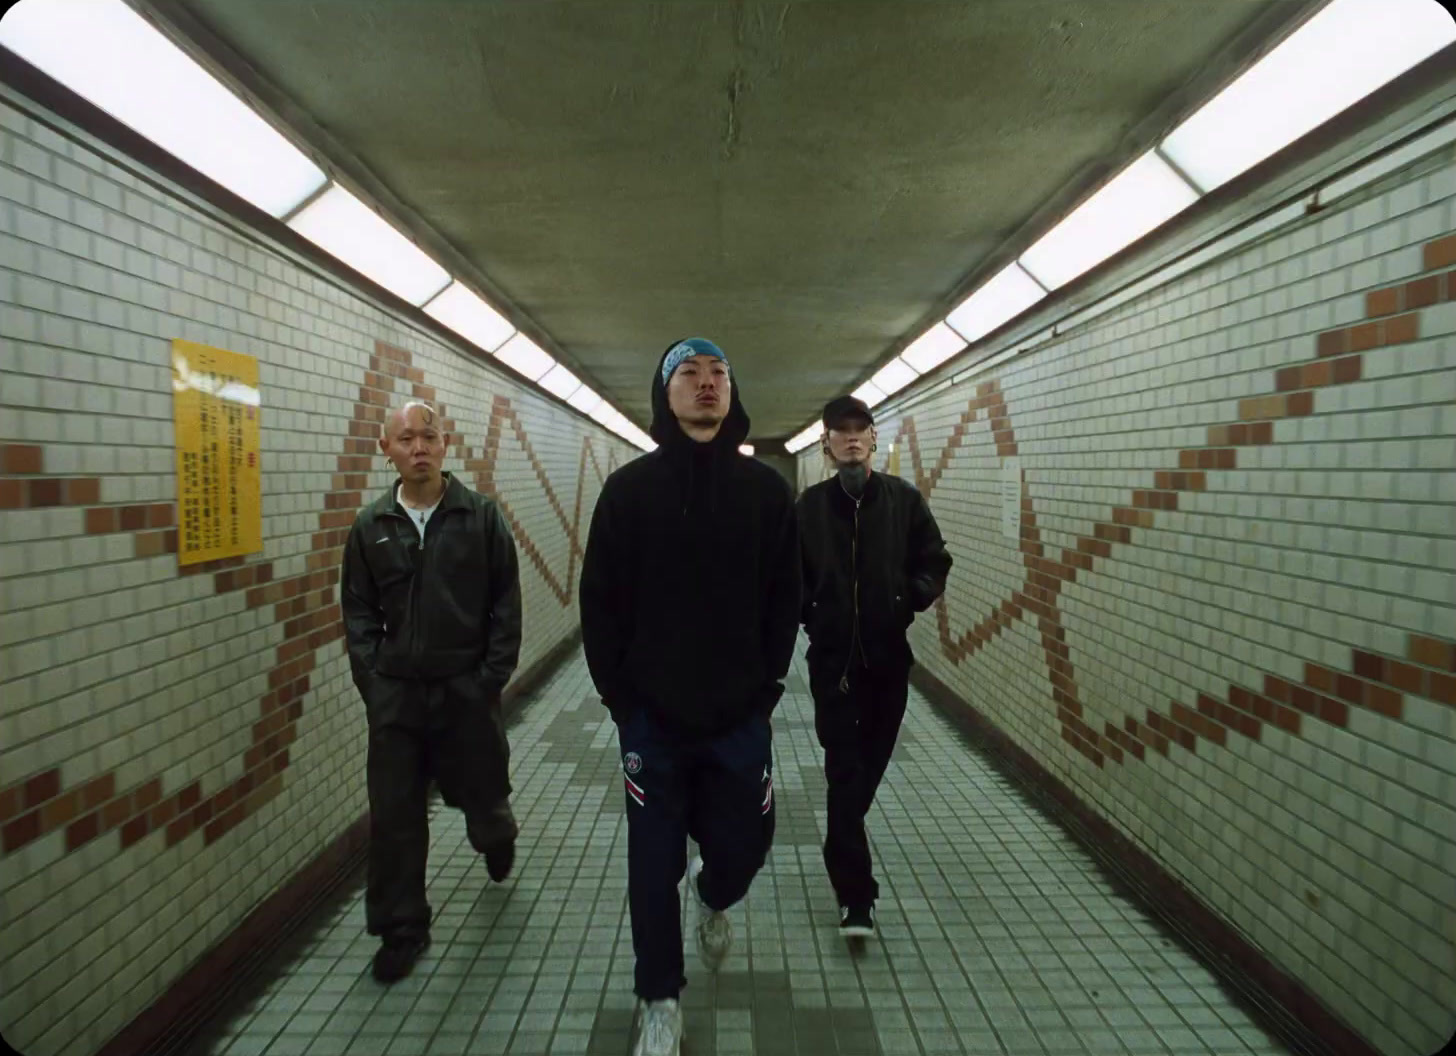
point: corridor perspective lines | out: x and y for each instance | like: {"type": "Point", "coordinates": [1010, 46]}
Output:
{"type": "Point", "coordinates": [999, 935]}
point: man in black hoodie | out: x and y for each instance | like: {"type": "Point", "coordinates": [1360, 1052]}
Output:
{"type": "Point", "coordinates": [873, 558]}
{"type": "Point", "coordinates": [689, 614]}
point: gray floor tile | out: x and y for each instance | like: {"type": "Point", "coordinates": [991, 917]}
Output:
{"type": "Point", "coordinates": [998, 934]}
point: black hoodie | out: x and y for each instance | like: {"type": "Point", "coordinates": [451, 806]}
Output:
{"type": "Point", "coordinates": [690, 582]}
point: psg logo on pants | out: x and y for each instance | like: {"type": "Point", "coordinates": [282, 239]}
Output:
{"type": "Point", "coordinates": [632, 762]}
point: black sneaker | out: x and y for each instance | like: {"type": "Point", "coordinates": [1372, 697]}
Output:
{"type": "Point", "coordinates": [499, 859]}
{"type": "Point", "coordinates": [857, 922]}
{"type": "Point", "coordinates": [396, 956]}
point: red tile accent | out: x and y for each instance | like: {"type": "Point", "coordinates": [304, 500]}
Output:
{"type": "Point", "coordinates": [1369, 665]}
{"type": "Point", "coordinates": [83, 831]}
{"type": "Point", "coordinates": [132, 518]}
{"type": "Point", "coordinates": [1422, 293]}
{"type": "Point", "coordinates": [1334, 712]}
{"type": "Point", "coordinates": [82, 491]}
{"type": "Point", "coordinates": [1364, 336]}
{"type": "Point", "coordinates": [1442, 688]}
{"type": "Point", "coordinates": [1400, 329]}
{"type": "Point", "coordinates": [1385, 701]}
{"type": "Point", "coordinates": [1384, 302]}
{"type": "Point", "coordinates": [13, 495]}
{"type": "Point", "coordinates": [101, 520]}
{"type": "Point", "coordinates": [151, 544]}
{"type": "Point", "coordinates": [45, 492]}
{"type": "Point", "coordinates": [98, 791]}
{"type": "Point", "coordinates": [21, 458]}
{"type": "Point", "coordinates": [1333, 343]}
{"type": "Point", "coordinates": [116, 812]}
{"type": "Point", "coordinates": [1404, 677]}
{"type": "Point", "coordinates": [1440, 254]}
{"type": "Point", "coordinates": [1347, 369]}
{"type": "Point", "coordinates": [20, 831]}
{"type": "Point", "coordinates": [1288, 378]}
{"type": "Point", "coordinates": [59, 811]}
{"type": "Point", "coordinates": [134, 830]}
{"type": "Point", "coordinates": [1432, 652]}
{"type": "Point", "coordinates": [11, 802]}
{"type": "Point", "coordinates": [148, 794]}
{"type": "Point", "coordinates": [1314, 375]}
{"type": "Point", "coordinates": [41, 787]}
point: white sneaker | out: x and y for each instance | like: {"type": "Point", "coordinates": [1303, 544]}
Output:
{"type": "Point", "coordinates": [659, 1028]}
{"type": "Point", "coordinates": [715, 930]}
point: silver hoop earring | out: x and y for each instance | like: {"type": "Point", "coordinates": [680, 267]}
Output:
{"type": "Point", "coordinates": [874, 447]}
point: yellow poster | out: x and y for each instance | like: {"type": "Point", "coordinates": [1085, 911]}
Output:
{"type": "Point", "coordinates": [219, 489]}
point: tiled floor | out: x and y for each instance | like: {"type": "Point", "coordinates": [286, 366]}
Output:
{"type": "Point", "coordinates": [998, 934]}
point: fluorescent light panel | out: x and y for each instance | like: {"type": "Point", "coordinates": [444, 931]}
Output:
{"type": "Point", "coordinates": [560, 382]}
{"type": "Point", "coordinates": [525, 357]}
{"type": "Point", "coordinates": [1004, 296]}
{"type": "Point", "coordinates": [1135, 201]}
{"type": "Point", "coordinates": [804, 439]}
{"type": "Point", "coordinates": [870, 393]}
{"type": "Point", "coordinates": [745, 449]}
{"type": "Point", "coordinates": [1342, 54]}
{"type": "Point", "coordinates": [933, 348]}
{"type": "Point", "coordinates": [344, 226]}
{"type": "Point", "coordinates": [463, 311]}
{"type": "Point", "coordinates": [584, 400]}
{"type": "Point", "coordinates": [894, 375]}
{"type": "Point", "coordinates": [104, 51]}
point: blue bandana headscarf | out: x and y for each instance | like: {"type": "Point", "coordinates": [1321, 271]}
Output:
{"type": "Point", "coordinates": [693, 346]}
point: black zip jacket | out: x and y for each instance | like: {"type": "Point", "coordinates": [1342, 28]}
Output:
{"type": "Point", "coordinates": [436, 608]}
{"type": "Point", "coordinates": [869, 567]}
{"type": "Point", "coordinates": [690, 581]}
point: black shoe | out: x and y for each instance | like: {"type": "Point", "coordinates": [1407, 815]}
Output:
{"type": "Point", "coordinates": [857, 922]}
{"type": "Point", "coordinates": [499, 859]}
{"type": "Point", "coordinates": [397, 955]}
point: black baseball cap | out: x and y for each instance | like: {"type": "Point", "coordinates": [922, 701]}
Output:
{"type": "Point", "coordinates": [842, 408]}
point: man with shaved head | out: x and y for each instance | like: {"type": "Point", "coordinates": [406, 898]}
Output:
{"type": "Point", "coordinates": [432, 608]}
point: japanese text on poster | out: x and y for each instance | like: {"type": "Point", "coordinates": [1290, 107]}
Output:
{"type": "Point", "coordinates": [219, 489]}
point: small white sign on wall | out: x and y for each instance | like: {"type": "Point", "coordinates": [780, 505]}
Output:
{"type": "Point", "coordinates": [1011, 499]}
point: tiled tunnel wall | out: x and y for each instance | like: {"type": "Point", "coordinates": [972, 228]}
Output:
{"type": "Point", "coordinates": [176, 743]}
{"type": "Point", "coordinates": [1227, 623]}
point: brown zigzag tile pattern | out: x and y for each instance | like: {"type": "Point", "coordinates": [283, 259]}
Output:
{"type": "Point", "coordinates": [1377, 683]}
{"type": "Point", "coordinates": [304, 604]}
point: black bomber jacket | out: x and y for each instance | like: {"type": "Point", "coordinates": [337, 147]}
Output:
{"type": "Point", "coordinates": [869, 567]}
{"type": "Point", "coordinates": [436, 607]}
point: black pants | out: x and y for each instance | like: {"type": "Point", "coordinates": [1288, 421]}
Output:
{"type": "Point", "coordinates": [719, 792]}
{"type": "Point", "coordinates": [449, 730]}
{"type": "Point", "coordinates": [857, 731]}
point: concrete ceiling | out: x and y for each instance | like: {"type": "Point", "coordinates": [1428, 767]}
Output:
{"type": "Point", "coordinates": [807, 184]}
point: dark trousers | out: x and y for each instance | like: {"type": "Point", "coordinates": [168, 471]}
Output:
{"type": "Point", "coordinates": [857, 731]}
{"type": "Point", "coordinates": [449, 730]}
{"type": "Point", "coordinates": [719, 792]}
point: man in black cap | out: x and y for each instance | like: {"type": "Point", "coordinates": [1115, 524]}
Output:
{"type": "Point", "coordinates": [873, 557]}
{"type": "Point", "coordinates": [689, 614]}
